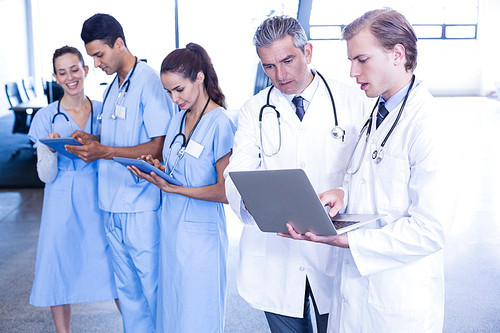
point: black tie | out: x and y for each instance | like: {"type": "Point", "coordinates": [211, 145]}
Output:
{"type": "Point", "coordinates": [381, 114]}
{"type": "Point", "coordinates": [298, 101]}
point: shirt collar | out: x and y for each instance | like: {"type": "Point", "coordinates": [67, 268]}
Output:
{"type": "Point", "coordinates": [395, 99]}
{"type": "Point", "coordinates": [307, 94]}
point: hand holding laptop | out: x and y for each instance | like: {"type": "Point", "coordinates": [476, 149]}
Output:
{"type": "Point", "coordinates": [340, 240]}
{"type": "Point", "coordinates": [335, 199]}
{"type": "Point", "coordinates": [276, 198]}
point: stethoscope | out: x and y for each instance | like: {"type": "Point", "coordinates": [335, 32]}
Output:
{"type": "Point", "coordinates": [185, 141]}
{"type": "Point", "coordinates": [121, 94]}
{"type": "Point", "coordinates": [378, 153]}
{"type": "Point", "coordinates": [337, 131]}
{"type": "Point", "coordinates": [59, 113]}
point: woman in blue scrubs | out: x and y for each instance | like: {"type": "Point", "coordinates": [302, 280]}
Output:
{"type": "Point", "coordinates": [72, 261]}
{"type": "Point", "coordinates": [193, 250]}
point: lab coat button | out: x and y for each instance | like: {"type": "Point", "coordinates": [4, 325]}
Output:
{"type": "Point", "coordinates": [302, 165]}
{"type": "Point", "coordinates": [301, 268]}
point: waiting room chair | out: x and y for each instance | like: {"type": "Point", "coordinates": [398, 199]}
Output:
{"type": "Point", "coordinates": [13, 94]}
{"type": "Point", "coordinates": [21, 120]}
{"type": "Point", "coordinates": [53, 91]}
{"type": "Point", "coordinates": [29, 87]}
{"type": "Point", "coordinates": [14, 98]}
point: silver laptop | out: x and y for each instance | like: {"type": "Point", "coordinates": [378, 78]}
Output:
{"type": "Point", "coordinates": [275, 197]}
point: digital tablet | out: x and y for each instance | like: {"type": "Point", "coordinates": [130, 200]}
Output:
{"type": "Point", "coordinates": [146, 168]}
{"type": "Point", "coordinates": [58, 145]}
{"type": "Point", "coordinates": [275, 197]}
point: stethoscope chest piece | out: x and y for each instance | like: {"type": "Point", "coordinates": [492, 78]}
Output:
{"type": "Point", "coordinates": [378, 155]}
{"type": "Point", "coordinates": [338, 133]}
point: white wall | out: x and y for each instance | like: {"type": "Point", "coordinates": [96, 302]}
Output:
{"type": "Point", "coordinates": [148, 28]}
{"type": "Point", "coordinates": [449, 67]}
{"type": "Point", "coordinates": [225, 28]}
{"type": "Point", "coordinates": [13, 47]}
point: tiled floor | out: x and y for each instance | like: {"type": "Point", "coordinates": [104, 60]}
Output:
{"type": "Point", "coordinates": [472, 254]}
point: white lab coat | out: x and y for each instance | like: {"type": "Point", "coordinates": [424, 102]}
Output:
{"type": "Point", "coordinates": [272, 270]}
{"type": "Point", "coordinates": [392, 276]}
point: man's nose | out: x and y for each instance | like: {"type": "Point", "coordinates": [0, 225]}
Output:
{"type": "Point", "coordinates": [354, 70]}
{"type": "Point", "coordinates": [280, 73]}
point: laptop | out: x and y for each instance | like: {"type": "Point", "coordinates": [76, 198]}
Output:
{"type": "Point", "coordinates": [275, 197]}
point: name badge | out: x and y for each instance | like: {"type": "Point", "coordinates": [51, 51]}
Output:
{"type": "Point", "coordinates": [194, 148]}
{"type": "Point", "coordinates": [120, 111]}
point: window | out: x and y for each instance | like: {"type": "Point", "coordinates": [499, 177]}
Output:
{"type": "Point", "coordinates": [431, 19]}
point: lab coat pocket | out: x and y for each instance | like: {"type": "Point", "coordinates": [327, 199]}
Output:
{"type": "Point", "coordinates": [392, 176]}
{"type": "Point", "coordinates": [338, 152]}
{"type": "Point", "coordinates": [399, 290]}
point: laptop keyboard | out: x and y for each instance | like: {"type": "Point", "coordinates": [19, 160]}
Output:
{"type": "Point", "coordinates": [343, 224]}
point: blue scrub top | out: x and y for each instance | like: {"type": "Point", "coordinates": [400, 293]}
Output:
{"type": "Point", "coordinates": [193, 257]}
{"type": "Point", "coordinates": [42, 126]}
{"type": "Point", "coordinates": [148, 110]}
{"type": "Point", "coordinates": [73, 261]}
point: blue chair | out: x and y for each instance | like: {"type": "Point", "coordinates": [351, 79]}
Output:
{"type": "Point", "coordinates": [21, 120]}
{"type": "Point", "coordinates": [53, 91]}
{"type": "Point", "coordinates": [14, 97]}
{"type": "Point", "coordinates": [29, 87]}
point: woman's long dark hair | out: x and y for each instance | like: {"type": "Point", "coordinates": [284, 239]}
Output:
{"type": "Point", "coordinates": [188, 62]}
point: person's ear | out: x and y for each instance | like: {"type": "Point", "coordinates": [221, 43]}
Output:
{"type": "Point", "coordinates": [399, 54]}
{"type": "Point", "coordinates": [119, 44]}
{"type": "Point", "coordinates": [200, 77]}
{"type": "Point", "coordinates": [308, 49]}
{"type": "Point", "coordinates": [85, 70]}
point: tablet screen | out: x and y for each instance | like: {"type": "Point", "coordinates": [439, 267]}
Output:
{"type": "Point", "coordinates": [58, 145]}
{"type": "Point", "coordinates": [146, 168]}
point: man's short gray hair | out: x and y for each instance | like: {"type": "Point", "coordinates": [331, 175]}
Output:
{"type": "Point", "coordinates": [278, 27]}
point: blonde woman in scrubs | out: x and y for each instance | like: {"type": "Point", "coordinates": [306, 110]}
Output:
{"type": "Point", "coordinates": [72, 261]}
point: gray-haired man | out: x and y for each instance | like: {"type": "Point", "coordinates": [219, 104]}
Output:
{"type": "Point", "coordinates": [275, 274]}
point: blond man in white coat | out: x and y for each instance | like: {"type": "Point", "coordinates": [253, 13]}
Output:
{"type": "Point", "coordinates": [278, 275]}
{"type": "Point", "coordinates": [391, 273]}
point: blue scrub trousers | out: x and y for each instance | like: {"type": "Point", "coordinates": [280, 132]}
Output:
{"type": "Point", "coordinates": [134, 239]}
{"type": "Point", "coordinates": [285, 324]}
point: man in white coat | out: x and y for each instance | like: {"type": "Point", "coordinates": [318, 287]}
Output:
{"type": "Point", "coordinates": [275, 274]}
{"type": "Point", "coordinates": [392, 273]}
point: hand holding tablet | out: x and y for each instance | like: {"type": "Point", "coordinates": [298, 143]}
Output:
{"type": "Point", "coordinates": [146, 168]}
{"type": "Point", "coordinates": [58, 145]}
